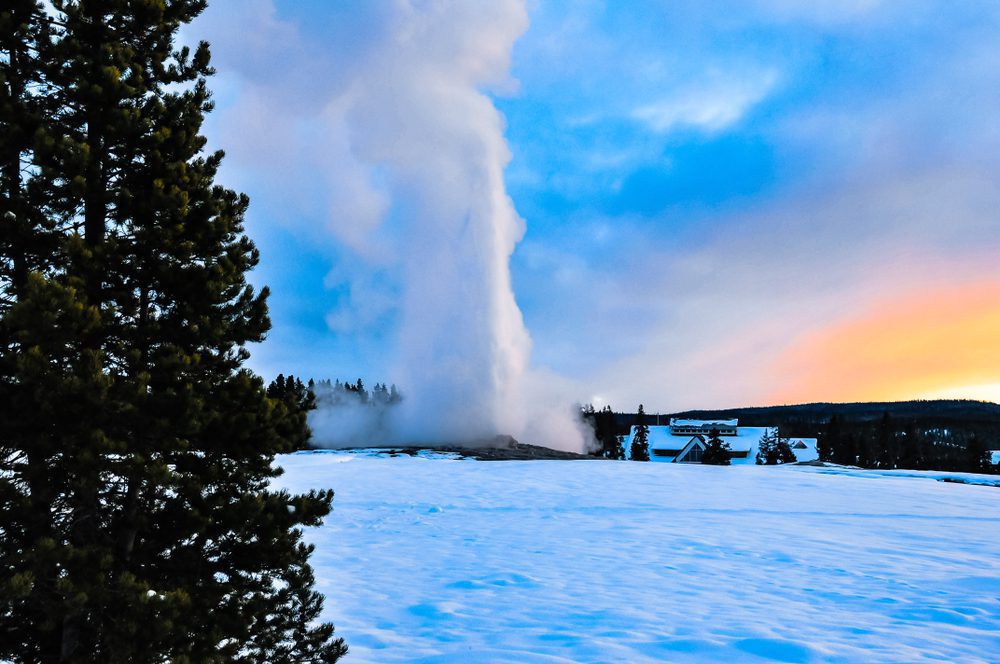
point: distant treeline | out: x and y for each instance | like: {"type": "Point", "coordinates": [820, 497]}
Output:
{"type": "Point", "coordinates": [349, 401]}
{"type": "Point", "coordinates": [338, 393]}
{"type": "Point", "coordinates": [952, 435]}
{"type": "Point", "coordinates": [314, 393]}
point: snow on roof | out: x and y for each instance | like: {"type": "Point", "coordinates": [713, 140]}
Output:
{"type": "Point", "coordinates": [808, 453]}
{"type": "Point", "coordinates": [674, 422]}
{"type": "Point", "coordinates": [660, 438]}
{"type": "Point", "coordinates": [746, 440]}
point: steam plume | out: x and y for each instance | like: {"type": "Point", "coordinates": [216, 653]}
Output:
{"type": "Point", "coordinates": [418, 118]}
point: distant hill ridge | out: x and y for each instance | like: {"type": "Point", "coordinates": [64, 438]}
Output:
{"type": "Point", "coordinates": [804, 419]}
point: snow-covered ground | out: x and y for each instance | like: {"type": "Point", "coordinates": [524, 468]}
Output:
{"type": "Point", "coordinates": [445, 560]}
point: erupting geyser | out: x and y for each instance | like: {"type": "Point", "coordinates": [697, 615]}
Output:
{"type": "Point", "coordinates": [418, 118]}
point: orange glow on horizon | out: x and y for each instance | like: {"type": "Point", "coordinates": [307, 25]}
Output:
{"type": "Point", "coordinates": [938, 344]}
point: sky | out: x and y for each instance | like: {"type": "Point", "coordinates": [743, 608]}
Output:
{"type": "Point", "coordinates": [720, 204]}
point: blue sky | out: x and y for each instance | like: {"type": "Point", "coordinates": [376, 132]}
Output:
{"type": "Point", "coordinates": [709, 189]}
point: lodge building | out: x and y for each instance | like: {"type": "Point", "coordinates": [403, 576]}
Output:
{"type": "Point", "coordinates": [685, 440]}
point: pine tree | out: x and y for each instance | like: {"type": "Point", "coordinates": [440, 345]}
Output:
{"type": "Point", "coordinates": [911, 449]}
{"type": "Point", "coordinates": [830, 440]}
{"type": "Point", "coordinates": [773, 449]}
{"type": "Point", "coordinates": [298, 400]}
{"type": "Point", "coordinates": [845, 452]}
{"type": "Point", "coordinates": [784, 451]}
{"type": "Point", "coordinates": [25, 100]}
{"type": "Point", "coordinates": [617, 449]}
{"type": "Point", "coordinates": [137, 521]}
{"type": "Point", "coordinates": [45, 381]}
{"type": "Point", "coordinates": [867, 449]}
{"type": "Point", "coordinates": [717, 452]}
{"type": "Point", "coordinates": [602, 423]}
{"type": "Point", "coordinates": [611, 447]}
{"type": "Point", "coordinates": [977, 458]}
{"type": "Point", "coordinates": [640, 439]}
{"type": "Point", "coordinates": [885, 443]}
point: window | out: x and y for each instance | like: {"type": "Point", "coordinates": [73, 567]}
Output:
{"type": "Point", "coordinates": [694, 456]}
{"type": "Point", "coordinates": [666, 453]}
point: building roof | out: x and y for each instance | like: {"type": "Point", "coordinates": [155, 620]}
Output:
{"type": "Point", "coordinates": [745, 442]}
{"type": "Point", "coordinates": [696, 441]}
{"type": "Point", "coordinates": [807, 453]}
{"type": "Point", "coordinates": [675, 422]}
{"type": "Point", "coordinates": [660, 438]}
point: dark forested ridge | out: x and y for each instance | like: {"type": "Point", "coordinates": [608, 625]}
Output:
{"type": "Point", "coordinates": [935, 412]}
{"type": "Point", "coordinates": [945, 434]}
{"type": "Point", "coordinates": [807, 419]}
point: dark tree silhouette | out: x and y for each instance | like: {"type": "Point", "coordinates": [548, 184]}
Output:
{"type": "Point", "coordinates": [138, 523]}
{"type": "Point", "coordinates": [640, 439]}
{"type": "Point", "coordinates": [717, 451]}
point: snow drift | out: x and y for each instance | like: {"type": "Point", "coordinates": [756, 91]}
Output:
{"type": "Point", "coordinates": [603, 561]}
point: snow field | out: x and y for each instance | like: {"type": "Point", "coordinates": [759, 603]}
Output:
{"type": "Point", "coordinates": [445, 560]}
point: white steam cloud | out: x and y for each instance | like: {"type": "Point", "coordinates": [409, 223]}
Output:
{"type": "Point", "coordinates": [418, 121]}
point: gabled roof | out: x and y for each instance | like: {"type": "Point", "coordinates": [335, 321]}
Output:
{"type": "Point", "coordinates": [696, 441]}
{"type": "Point", "coordinates": [807, 451]}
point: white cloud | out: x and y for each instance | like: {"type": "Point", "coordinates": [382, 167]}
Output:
{"type": "Point", "coordinates": [708, 106]}
{"type": "Point", "coordinates": [681, 325]}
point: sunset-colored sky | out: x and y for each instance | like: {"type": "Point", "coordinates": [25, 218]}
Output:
{"type": "Point", "coordinates": [725, 203]}
{"type": "Point", "coordinates": [937, 343]}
